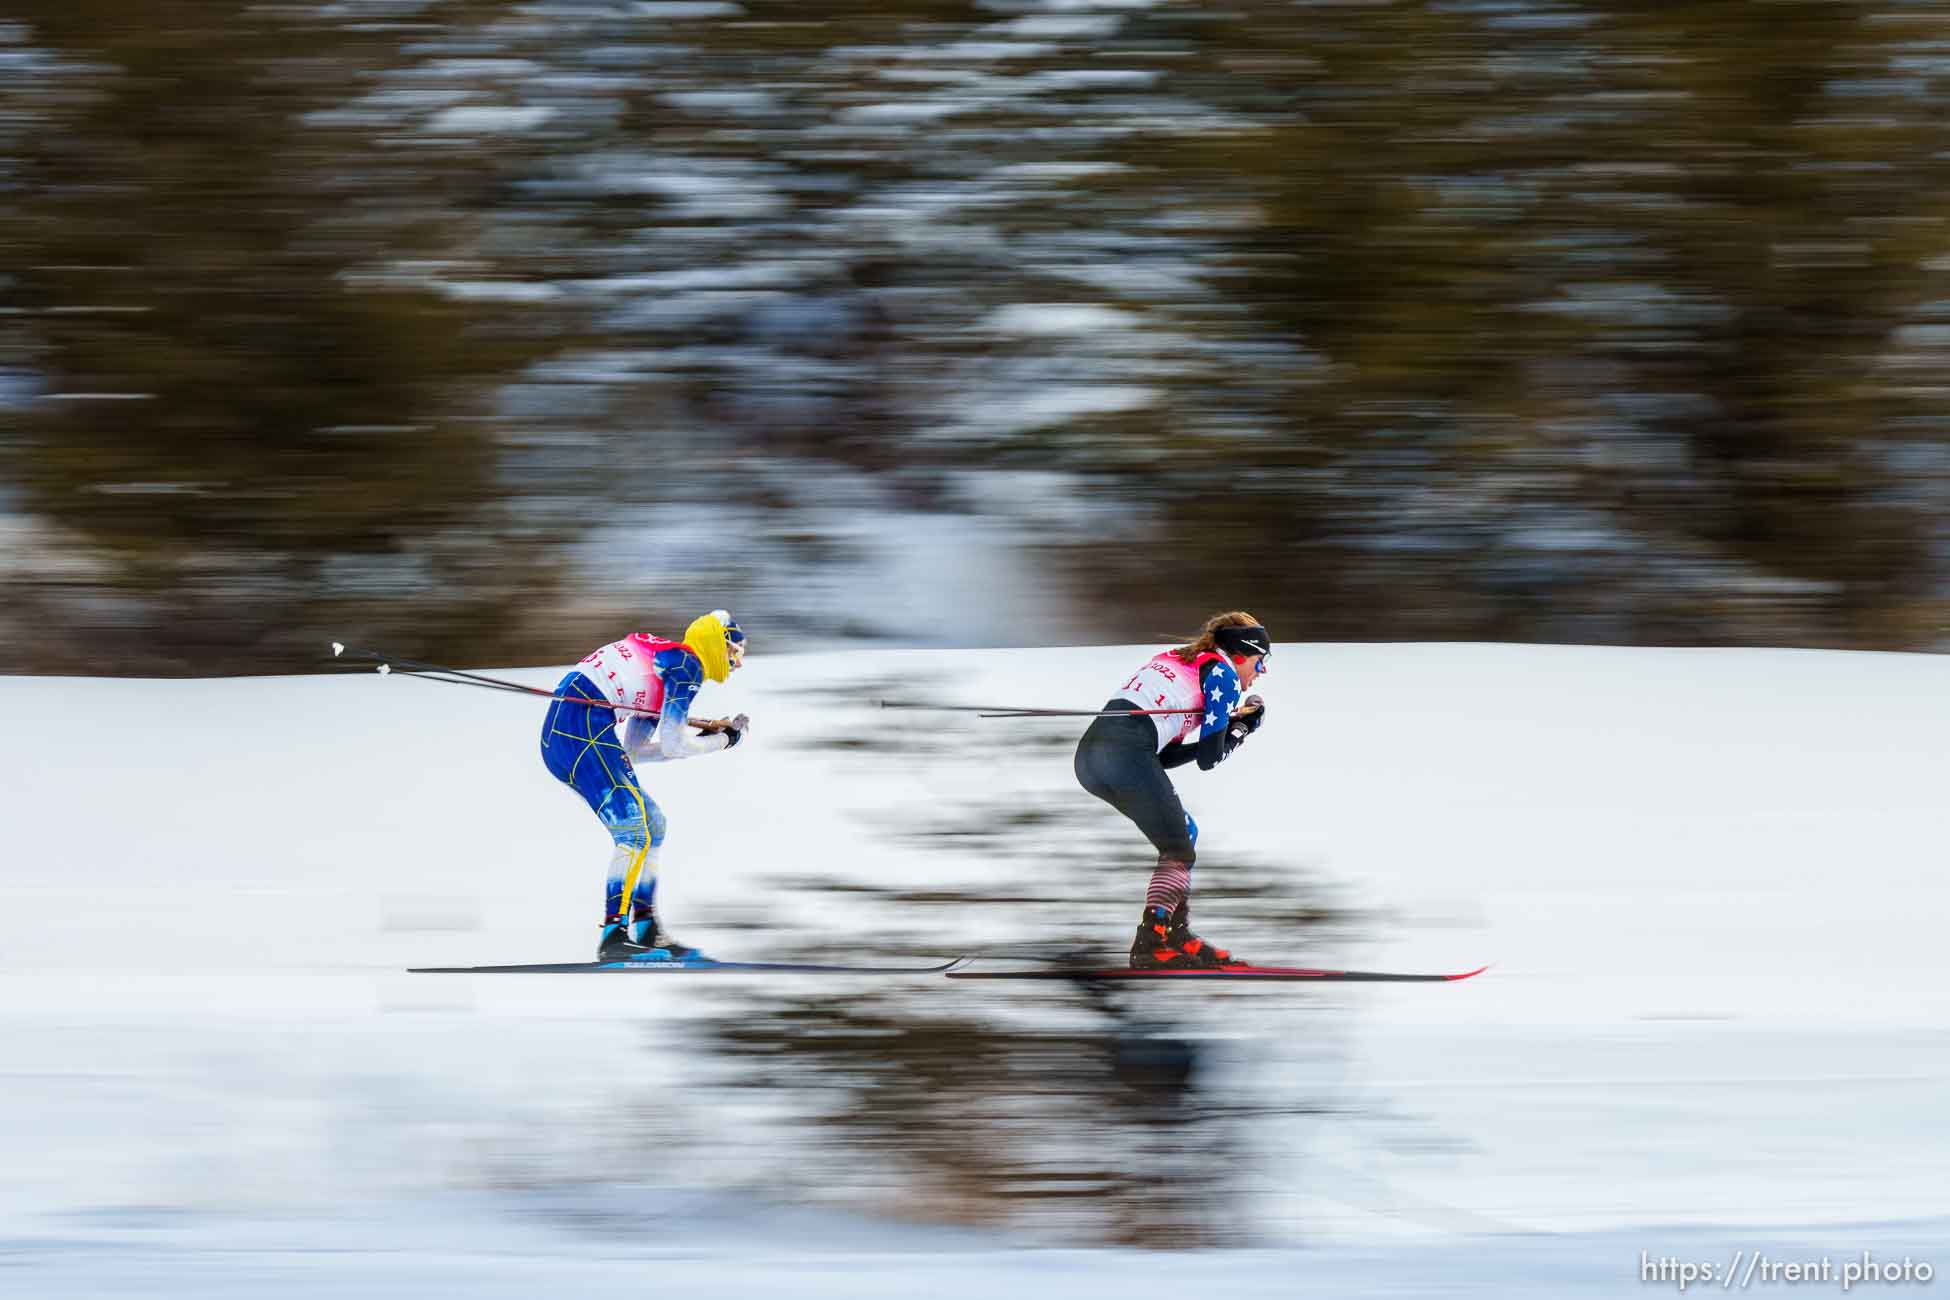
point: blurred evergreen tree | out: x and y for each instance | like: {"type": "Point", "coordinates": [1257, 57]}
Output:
{"type": "Point", "coordinates": [1599, 303]}
{"type": "Point", "coordinates": [1527, 320]}
{"type": "Point", "coordinates": [252, 413]}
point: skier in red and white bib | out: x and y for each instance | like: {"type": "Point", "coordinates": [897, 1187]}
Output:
{"type": "Point", "coordinates": [1123, 760]}
{"type": "Point", "coordinates": [631, 700]}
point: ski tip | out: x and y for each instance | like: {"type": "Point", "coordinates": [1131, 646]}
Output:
{"type": "Point", "coordinates": [1468, 974]}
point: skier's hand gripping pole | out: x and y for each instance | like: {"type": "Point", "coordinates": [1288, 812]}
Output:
{"type": "Point", "coordinates": [1246, 720]}
{"type": "Point", "coordinates": [732, 727]}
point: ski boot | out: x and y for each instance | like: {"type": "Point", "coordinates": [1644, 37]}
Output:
{"type": "Point", "coordinates": [1165, 942]}
{"type": "Point", "coordinates": [643, 939]}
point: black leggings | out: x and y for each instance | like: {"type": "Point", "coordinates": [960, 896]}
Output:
{"type": "Point", "coordinates": [1117, 760]}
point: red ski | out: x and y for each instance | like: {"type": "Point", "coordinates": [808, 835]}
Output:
{"type": "Point", "coordinates": [1122, 973]}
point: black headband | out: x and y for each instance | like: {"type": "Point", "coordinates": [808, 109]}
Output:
{"type": "Point", "coordinates": [1240, 642]}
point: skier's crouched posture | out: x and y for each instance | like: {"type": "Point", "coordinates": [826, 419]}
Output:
{"type": "Point", "coordinates": [648, 683]}
{"type": "Point", "coordinates": [1122, 760]}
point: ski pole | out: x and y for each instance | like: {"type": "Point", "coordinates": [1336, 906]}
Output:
{"type": "Point", "coordinates": [386, 662]}
{"type": "Point", "coordinates": [457, 677]}
{"type": "Point", "coordinates": [1014, 711]}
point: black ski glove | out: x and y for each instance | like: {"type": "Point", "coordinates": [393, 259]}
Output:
{"type": "Point", "coordinates": [1247, 720]}
{"type": "Point", "coordinates": [732, 729]}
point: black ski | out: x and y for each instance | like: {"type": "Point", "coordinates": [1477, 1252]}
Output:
{"type": "Point", "coordinates": [689, 966]}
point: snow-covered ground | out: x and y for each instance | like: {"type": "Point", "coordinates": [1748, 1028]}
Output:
{"type": "Point", "coordinates": [1710, 882]}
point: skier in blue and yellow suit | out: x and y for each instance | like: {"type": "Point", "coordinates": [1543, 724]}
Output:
{"type": "Point", "coordinates": [648, 683]}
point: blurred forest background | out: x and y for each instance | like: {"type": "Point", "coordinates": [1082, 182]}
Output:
{"type": "Point", "coordinates": [487, 331]}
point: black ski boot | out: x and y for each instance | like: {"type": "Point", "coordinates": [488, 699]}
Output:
{"type": "Point", "coordinates": [654, 945]}
{"type": "Point", "coordinates": [616, 944]}
{"type": "Point", "coordinates": [1165, 941]}
{"type": "Point", "coordinates": [652, 940]}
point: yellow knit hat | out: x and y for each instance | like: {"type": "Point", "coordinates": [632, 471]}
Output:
{"type": "Point", "coordinates": [706, 638]}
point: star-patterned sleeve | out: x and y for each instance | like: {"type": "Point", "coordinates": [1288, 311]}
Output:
{"type": "Point", "coordinates": [1219, 684]}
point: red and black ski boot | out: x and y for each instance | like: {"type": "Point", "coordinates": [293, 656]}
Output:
{"type": "Point", "coordinates": [1165, 942]}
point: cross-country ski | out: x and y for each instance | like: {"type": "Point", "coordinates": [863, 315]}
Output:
{"type": "Point", "coordinates": [691, 965]}
{"type": "Point", "coordinates": [1237, 971]}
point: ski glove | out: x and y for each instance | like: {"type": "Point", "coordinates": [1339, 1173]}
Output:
{"type": "Point", "coordinates": [734, 730]}
{"type": "Point", "coordinates": [1246, 721]}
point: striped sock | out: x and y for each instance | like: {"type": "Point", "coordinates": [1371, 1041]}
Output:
{"type": "Point", "coordinates": [1169, 884]}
